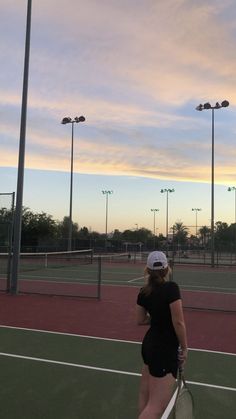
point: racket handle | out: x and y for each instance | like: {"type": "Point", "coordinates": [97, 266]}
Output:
{"type": "Point", "coordinates": [180, 365]}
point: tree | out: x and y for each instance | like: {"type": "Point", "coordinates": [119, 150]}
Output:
{"type": "Point", "coordinates": [63, 228]}
{"type": "Point", "coordinates": [180, 233]}
{"type": "Point", "coordinates": [205, 233]}
{"type": "Point", "coordinates": [37, 229]}
{"type": "Point", "coordinates": [6, 221]}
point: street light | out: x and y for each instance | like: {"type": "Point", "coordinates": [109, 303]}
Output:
{"type": "Point", "coordinates": [68, 120]}
{"type": "Point", "coordinates": [232, 188]}
{"type": "Point", "coordinates": [201, 107]}
{"type": "Point", "coordinates": [154, 210]}
{"type": "Point", "coordinates": [167, 191]}
{"type": "Point", "coordinates": [196, 210]}
{"type": "Point", "coordinates": [107, 193]}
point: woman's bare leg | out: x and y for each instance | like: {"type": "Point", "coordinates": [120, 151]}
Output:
{"type": "Point", "coordinates": [160, 392]}
{"type": "Point", "coordinates": [143, 389]}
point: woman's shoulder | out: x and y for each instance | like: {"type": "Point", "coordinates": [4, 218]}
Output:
{"type": "Point", "coordinates": [172, 291]}
{"type": "Point", "coordinates": [171, 284]}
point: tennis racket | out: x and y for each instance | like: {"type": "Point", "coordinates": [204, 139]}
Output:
{"type": "Point", "coordinates": [184, 405]}
{"type": "Point", "coordinates": [181, 405]}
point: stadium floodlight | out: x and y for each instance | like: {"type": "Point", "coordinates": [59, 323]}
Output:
{"type": "Point", "coordinates": [107, 193]}
{"type": "Point", "coordinates": [154, 210]}
{"type": "Point", "coordinates": [233, 188]}
{"type": "Point", "coordinates": [66, 120]}
{"type": "Point", "coordinates": [167, 191]}
{"type": "Point", "coordinates": [201, 107]}
{"type": "Point", "coordinates": [79, 119]}
{"type": "Point", "coordinates": [225, 104]}
{"type": "Point", "coordinates": [196, 211]}
{"type": "Point", "coordinates": [69, 120]}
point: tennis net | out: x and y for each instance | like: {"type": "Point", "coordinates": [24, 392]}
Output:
{"type": "Point", "coordinates": [114, 257]}
{"type": "Point", "coordinates": [59, 273]}
{"type": "Point", "coordinates": [50, 260]}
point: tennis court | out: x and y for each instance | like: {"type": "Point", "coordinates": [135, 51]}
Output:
{"type": "Point", "coordinates": [56, 375]}
{"type": "Point", "coordinates": [67, 357]}
{"type": "Point", "coordinates": [202, 286]}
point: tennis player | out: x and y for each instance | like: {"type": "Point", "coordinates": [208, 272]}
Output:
{"type": "Point", "coordinates": [159, 304]}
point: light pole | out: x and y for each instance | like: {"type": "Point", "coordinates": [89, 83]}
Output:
{"type": "Point", "coordinates": [196, 211]}
{"type": "Point", "coordinates": [167, 191]}
{"type": "Point", "coordinates": [107, 193]}
{"type": "Point", "coordinates": [233, 188]}
{"type": "Point", "coordinates": [154, 210]}
{"type": "Point", "coordinates": [21, 159]}
{"type": "Point", "coordinates": [68, 120]}
{"type": "Point", "coordinates": [201, 107]}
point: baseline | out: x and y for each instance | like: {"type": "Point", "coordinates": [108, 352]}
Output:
{"type": "Point", "coordinates": [70, 364]}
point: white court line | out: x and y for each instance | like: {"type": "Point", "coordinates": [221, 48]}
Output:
{"type": "Point", "coordinates": [102, 338]}
{"type": "Point", "coordinates": [89, 367]}
{"type": "Point", "coordinates": [55, 280]}
{"type": "Point", "coordinates": [208, 287]}
{"type": "Point", "coordinates": [113, 283]}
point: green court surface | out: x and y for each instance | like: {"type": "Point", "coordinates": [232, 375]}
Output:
{"type": "Point", "coordinates": [133, 274]}
{"type": "Point", "coordinates": [48, 375]}
{"type": "Point", "coordinates": [204, 288]}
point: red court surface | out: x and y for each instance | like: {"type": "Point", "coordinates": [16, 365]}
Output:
{"type": "Point", "coordinates": [111, 317]}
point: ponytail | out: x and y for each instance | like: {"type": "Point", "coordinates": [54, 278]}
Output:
{"type": "Point", "coordinates": [153, 278]}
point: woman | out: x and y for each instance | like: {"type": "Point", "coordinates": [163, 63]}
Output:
{"type": "Point", "coordinates": [159, 304]}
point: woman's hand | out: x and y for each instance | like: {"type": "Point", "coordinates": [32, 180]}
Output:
{"type": "Point", "coordinates": [182, 356]}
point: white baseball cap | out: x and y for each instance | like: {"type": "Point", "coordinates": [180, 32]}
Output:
{"type": "Point", "coordinates": [157, 260]}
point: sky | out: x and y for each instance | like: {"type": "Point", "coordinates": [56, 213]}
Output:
{"type": "Point", "coordinates": [136, 70]}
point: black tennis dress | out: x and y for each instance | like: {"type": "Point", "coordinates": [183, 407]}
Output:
{"type": "Point", "coordinates": [160, 344]}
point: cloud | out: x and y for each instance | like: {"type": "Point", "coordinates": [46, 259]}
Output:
{"type": "Point", "coordinates": [135, 70]}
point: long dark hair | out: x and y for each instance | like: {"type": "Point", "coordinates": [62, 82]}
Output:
{"type": "Point", "coordinates": [153, 278]}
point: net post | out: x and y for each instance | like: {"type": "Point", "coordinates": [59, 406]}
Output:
{"type": "Point", "coordinates": [9, 237]}
{"type": "Point", "coordinates": [99, 277]}
{"type": "Point", "coordinates": [46, 260]}
{"type": "Point", "coordinates": [10, 240]}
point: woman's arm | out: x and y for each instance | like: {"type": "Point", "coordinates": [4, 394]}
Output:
{"type": "Point", "coordinates": [179, 326]}
{"type": "Point", "coordinates": [142, 316]}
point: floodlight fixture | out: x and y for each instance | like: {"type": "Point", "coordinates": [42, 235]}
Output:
{"type": "Point", "coordinates": [167, 190]}
{"type": "Point", "coordinates": [79, 119]}
{"type": "Point", "coordinates": [66, 120]}
{"type": "Point", "coordinates": [207, 105]}
{"type": "Point", "coordinates": [225, 104]}
{"type": "Point", "coordinates": [107, 192]}
{"type": "Point", "coordinates": [69, 120]}
{"type": "Point", "coordinates": [199, 107]}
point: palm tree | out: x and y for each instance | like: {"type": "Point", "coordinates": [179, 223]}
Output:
{"type": "Point", "coordinates": [180, 232]}
{"type": "Point", "coordinates": [205, 234]}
